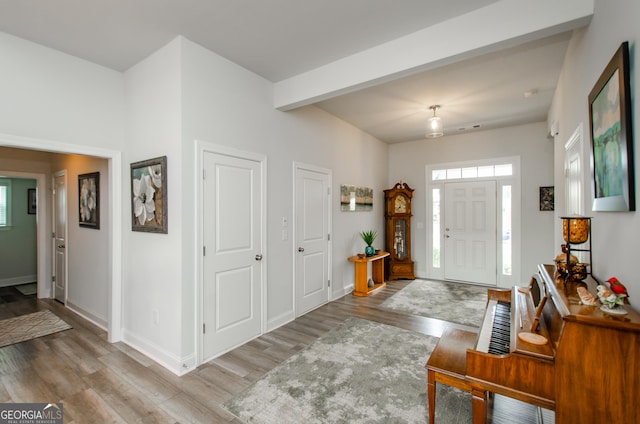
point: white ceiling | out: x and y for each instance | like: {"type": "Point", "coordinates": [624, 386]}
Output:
{"type": "Point", "coordinates": [280, 39]}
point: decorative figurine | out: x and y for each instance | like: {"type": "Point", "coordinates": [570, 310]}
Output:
{"type": "Point", "coordinates": [617, 287]}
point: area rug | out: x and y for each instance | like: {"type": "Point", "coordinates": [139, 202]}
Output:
{"type": "Point", "coordinates": [454, 302]}
{"type": "Point", "coordinates": [27, 289]}
{"type": "Point", "coordinates": [31, 326]}
{"type": "Point", "coordinates": [359, 372]}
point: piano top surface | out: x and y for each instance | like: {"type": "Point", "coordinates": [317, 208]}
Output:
{"type": "Point", "coordinates": [567, 301]}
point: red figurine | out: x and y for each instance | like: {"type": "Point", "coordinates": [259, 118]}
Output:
{"type": "Point", "coordinates": [617, 287]}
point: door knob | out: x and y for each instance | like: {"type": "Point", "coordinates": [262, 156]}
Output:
{"type": "Point", "coordinates": [300, 249]}
{"type": "Point", "coordinates": [61, 246]}
{"type": "Point", "coordinates": [258, 257]}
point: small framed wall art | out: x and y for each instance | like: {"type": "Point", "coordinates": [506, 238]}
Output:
{"type": "Point", "coordinates": [353, 198]}
{"type": "Point", "coordinates": [149, 196]}
{"type": "Point", "coordinates": [546, 198]}
{"type": "Point", "coordinates": [89, 200]}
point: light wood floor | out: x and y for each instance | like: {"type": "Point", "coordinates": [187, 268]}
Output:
{"type": "Point", "coordinates": [100, 382]}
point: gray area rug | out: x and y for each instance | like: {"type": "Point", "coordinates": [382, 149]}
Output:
{"type": "Point", "coordinates": [27, 327]}
{"type": "Point", "coordinates": [359, 372]}
{"type": "Point", "coordinates": [454, 302]}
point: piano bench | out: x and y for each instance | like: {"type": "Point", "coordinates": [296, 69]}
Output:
{"type": "Point", "coordinates": [448, 364]}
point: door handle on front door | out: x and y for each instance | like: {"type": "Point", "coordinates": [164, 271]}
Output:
{"type": "Point", "coordinates": [258, 257]}
{"type": "Point", "coordinates": [61, 246]}
{"type": "Point", "coordinates": [300, 249]}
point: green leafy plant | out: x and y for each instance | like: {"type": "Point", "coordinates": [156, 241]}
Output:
{"type": "Point", "coordinates": [368, 236]}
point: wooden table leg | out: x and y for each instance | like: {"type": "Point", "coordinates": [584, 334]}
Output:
{"type": "Point", "coordinates": [478, 406]}
{"type": "Point", "coordinates": [431, 393]}
{"type": "Point", "coordinates": [377, 271]}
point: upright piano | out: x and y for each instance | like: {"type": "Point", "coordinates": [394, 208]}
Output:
{"type": "Point", "coordinates": [587, 372]}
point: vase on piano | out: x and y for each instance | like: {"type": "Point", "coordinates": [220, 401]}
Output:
{"type": "Point", "coordinates": [575, 230]}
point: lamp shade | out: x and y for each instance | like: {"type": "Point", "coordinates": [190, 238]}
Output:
{"type": "Point", "coordinates": [434, 124]}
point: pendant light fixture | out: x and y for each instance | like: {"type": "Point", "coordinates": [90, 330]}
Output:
{"type": "Point", "coordinates": [434, 124]}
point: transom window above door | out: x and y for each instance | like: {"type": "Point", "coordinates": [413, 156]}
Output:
{"type": "Point", "coordinates": [502, 170]}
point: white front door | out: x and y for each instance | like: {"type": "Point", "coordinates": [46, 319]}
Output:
{"type": "Point", "coordinates": [470, 232]}
{"type": "Point", "coordinates": [232, 249]}
{"type": "Point", "coordinates": [60, 236]}
{"type": "Point", "coordinates": [312, 208]}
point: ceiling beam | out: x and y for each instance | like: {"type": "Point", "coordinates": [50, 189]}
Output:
{"type": "Point", "coordinates": [503, 24]}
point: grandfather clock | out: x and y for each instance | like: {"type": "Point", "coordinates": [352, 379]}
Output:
{"type": "Point", "coordinates": [398, 232]}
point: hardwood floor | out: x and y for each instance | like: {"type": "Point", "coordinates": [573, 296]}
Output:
{"type": "Point", "coordinates": [100, 382]}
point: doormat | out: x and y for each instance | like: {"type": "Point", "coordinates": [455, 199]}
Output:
{"type": "Point", "coordinates": [31, 326]}
{"type": "Point", "coordinates": [454, 302]}
{"type": "Point", "coordinates": [27, 289]}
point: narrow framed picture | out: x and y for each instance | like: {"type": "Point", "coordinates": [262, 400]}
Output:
{"type": "Point", "coordinates": [89, 200]}
{"type": "Point", "coordinates": [149, 196]}
{"type": "Point", "coordinates": [612, 136]}
{"type": "Point", "coordinates": [32, 201]}
{"type": "Point", "coordinates": [546, 198]}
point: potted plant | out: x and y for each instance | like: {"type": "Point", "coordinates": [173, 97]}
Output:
{"type": "Point", "coordinates": [369, 237]}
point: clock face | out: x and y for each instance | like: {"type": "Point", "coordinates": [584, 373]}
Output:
{"type": "Point", "coordinates": [400, 204]}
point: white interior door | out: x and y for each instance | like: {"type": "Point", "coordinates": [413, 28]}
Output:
{"type": "Point", "coordinates": [312, 238]}
{"type": "Point", "coordinates": [470, 232]}
{"type": "Point", "coordinates": [232, 263]}
{"type": "Point", "coordinates": [60, 236]}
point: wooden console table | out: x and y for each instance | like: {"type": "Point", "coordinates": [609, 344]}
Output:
{"type": "Point", "coordinates": [360, 273]}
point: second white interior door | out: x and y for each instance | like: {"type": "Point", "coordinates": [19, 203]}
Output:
{"type": "Point", "coordinates": [312, 238]}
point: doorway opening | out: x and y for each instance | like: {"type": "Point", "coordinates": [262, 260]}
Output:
{"type": "Point", "coordinates": [114, 196]}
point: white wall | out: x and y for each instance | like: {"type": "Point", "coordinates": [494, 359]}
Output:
{"type": "Point", "coordinates": [87, 249]}
{"type": "Point", "coordinates": [407, 162]}
{"type": "Point", "coordinates": [152, 263]}
{"type": "Point", "coordinates": [48, 95]}
{"type": "Point", "coordinates": [590, 49]}
{"type": "Point", "coordinates": [54, 96]}
{"type": "Point", "coordinates": [230, 106]}
{"type": "Point", "coordinates": [184, 93]}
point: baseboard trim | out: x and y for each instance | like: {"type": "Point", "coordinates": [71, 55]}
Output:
{"type": "Point", "coordinates": [16, 281]}
{"type": "Point", "coordinates": [178, 366]}
{"type": "Point", "coordinates": [100, 322]}
{"type": "Point", "coordinates": [280, 320]}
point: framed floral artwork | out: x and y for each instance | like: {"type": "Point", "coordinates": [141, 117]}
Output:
{"type": "Point", "coordinates": [89, 200]}
{"type": "Point", "coordinates": [612, 137]}
{"type": "Point", "coordinates": [149, 196]}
